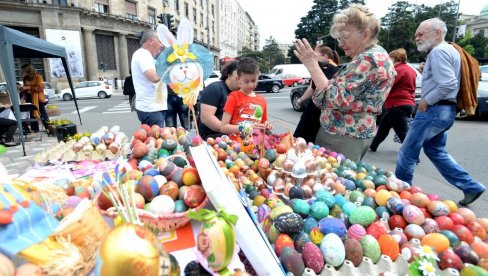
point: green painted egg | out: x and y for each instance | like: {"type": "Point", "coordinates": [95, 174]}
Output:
{"type": "Point", "coordinates": [180, 206]}
{"type": "Point", "coordinates": [300, 207]}
{"type": "Point", "coordinates": [319, 210]}
{"type": "Point", "coordinates": [371, 248]}
{"type": "Point", "coordinates": [356, 196]}
{"type": "Point", "coordinates": [273, 234]}
{"type": "Point", "coordinates": [363, 215]}
{"type": "Point", "coordinates": [326, 197]}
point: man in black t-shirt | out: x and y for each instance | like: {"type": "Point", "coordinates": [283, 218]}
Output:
{"type": "Point", "coordinates": [212, 101]}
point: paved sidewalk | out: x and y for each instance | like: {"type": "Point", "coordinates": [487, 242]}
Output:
{"type": "Point", "coordinates": [14, 160]}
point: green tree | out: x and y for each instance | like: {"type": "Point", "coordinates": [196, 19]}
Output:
{"type": "Point", "coordinates": [398, 27]}
{"type": "Point", "coordinates": [271, 55]}
{"type": "Point", "coordinates": [479, 42]}
{"type": "Point", "coordinates": [343, 4]}
{"type": "Point", "coordinates": [485, 54]}
{"type": "Point", "coordinates": [470, 49]}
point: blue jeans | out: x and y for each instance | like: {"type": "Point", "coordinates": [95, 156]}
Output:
{"type": "Point", "coordinates": [429, 131]}
{"type": "Point", "coordinates": [176, 108]}
{"type": "Point", "coordinates": [151, 118]}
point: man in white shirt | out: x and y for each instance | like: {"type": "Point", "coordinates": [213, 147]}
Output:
{"type": "Point", "coordinates": [145, 78]}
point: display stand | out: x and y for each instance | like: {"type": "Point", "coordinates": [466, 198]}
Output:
{"type": "Point", "coordinates": [222, 194]}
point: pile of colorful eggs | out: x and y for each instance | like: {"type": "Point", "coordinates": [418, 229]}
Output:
{"type": "Point", "coordinates": [317, 208]}
{"type": "Point", "coordinates": [101, 141]}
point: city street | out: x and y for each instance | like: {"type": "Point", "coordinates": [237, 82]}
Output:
{"type": "Point", "coordinates": [466, 143]}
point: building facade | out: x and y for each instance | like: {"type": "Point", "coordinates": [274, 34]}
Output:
{"type": "Point", "coordinates": [100, 36]}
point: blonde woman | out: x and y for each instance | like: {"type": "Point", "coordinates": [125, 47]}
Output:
{"type": "Point", "coordinates": [33, 89]}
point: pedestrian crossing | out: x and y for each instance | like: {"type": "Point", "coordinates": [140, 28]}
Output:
{"type": "Point", "coordinates": [123, 107]}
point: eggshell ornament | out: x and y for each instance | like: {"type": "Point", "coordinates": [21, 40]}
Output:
{"type": "Point", "coordinates": [413, 214]}
{"type": "Point", "coordinates": [371, 248]}
{"type": "Point", "coordinates": [389, 246]}
{"type": "Point", "coordinates": [333, 250]}
{"type": "Point", "coordinates": [161, 205]}
{"type": "Point", "coordinates": [292, 261]}
{"type": "Point", "coordinates": [312, 257]}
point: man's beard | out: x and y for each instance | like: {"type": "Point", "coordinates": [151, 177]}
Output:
{"type": "Point", "coordinates": [426, 46]}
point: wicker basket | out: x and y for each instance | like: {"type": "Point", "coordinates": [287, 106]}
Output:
{"type": "Point", "coordinates": [158, 223]}
{"type": "Point", "coordinates": [85, 229]}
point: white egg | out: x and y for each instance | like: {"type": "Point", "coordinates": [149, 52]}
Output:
{"type": "Point", "coordinates": [162, 204]}
{"type": "Point", "coordinates": [115, 129]}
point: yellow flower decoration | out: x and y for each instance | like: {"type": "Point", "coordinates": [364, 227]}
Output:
{"type": "Point", "coordinates": [181, 53]}
{"type": "Point", "coordinates": [427, 268]}
{"type": "Point", "coordinates": [426, 252]}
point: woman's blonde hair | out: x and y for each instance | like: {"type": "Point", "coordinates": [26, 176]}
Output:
{"type": "Point", "coordinates": [360, 17]}
{"type": "Point", "coordinates": [29, 70]}
{"type": "Point", "coordinates": [399, 55]}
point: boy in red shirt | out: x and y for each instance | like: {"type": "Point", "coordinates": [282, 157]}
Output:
{"type": "Point", "coordinates": [244, 109]}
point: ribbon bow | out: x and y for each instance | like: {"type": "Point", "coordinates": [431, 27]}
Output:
{"type": "Point", "coordinates": [205, 215]}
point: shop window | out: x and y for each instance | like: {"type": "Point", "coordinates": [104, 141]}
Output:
{"type": "Point", "coordinates": [106, 50]}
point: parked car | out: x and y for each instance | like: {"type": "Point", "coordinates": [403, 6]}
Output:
{"type": "Point", "coordinates": [297, 92]}
{"type": "Point", "coordinates": [268, 84]}
{"type": "Point", "coordinates": [484, 72]}
{"type": "Point", "coordinates": [482, 109]}
{"type": "Point", "coordinates": [49, 90]}
{"type": "Point", "coordinates": [290, 80]}
{"type": "Point", "coordinates": [214, 76]}
{"type": "Point", "coordinates": [87, 89]}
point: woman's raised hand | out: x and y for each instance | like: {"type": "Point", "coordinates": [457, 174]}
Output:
{"type": "Point", "coordinates": [304, 52]}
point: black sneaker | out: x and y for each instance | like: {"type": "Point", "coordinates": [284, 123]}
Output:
{"type": "Point", "coordinates": [470, 198]}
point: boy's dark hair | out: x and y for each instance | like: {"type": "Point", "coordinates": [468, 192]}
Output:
{"type": "Point", "coordinates": [247, 65]}
{"type": "Point", "coordinates": [228, 69]}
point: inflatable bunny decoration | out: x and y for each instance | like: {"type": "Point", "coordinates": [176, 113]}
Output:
{"type": "Point", "coordinates": [183, 65]}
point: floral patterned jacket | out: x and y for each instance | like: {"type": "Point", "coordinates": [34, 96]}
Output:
{"type": "Point", "coordinates": [356, 93]}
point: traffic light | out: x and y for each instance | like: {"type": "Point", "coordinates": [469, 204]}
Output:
{"type": "Point", "coordinates": [170, 21]}
{"type": "Point", "coordinates": [161, 18]}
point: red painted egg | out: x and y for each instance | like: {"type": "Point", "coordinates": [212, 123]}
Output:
{"type": "Point", "coordinates": [426, 212]}
{"type": "Point", "coordinates": [456, 218]}
{"type": "Point", "coordinates": [194, 196]}
{"type": "Point", "coordinates": [415, 189]}
{"type": "Point", "coordinates": [463, 233]}
{"type": "Point", "coordinates": [283, 241]}
{"type": "Point", "coordinates": [389, 246]}
{"type": "Point", "coordinates": [313, 258]}
{"type": "Point", "coordinates": [477, 229]}
{"type": "Point", "coordinates": [140, 134]}
{"type": "Point", "coordinates": [377, 229]}
{"type": "Point", "coordinates": [397, 221]}
{"type": "Point", "coordinates": [449, 259]}
{"type": "Point", "coordinates": [467, 214]}
{"type": "Point", "coordinates": [481, 248]}
{"type": "Point", "coordinates": [406, 195]}
{"type": "Point", "coordinates": [484, 222]}
{"type": "Point", "coordinates": [444, 222]}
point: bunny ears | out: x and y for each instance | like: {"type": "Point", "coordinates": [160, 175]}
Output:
{"type": "Point", "coordinates": [184, 34]}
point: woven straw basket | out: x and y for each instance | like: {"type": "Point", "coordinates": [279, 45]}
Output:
{"type": "Point", "coordinates": [86, 230]}
{"type": "Point", "coordinates": [158, 223]}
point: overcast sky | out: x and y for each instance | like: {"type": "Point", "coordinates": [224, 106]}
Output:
{"type": "Point", "coordinates": [279, 18]}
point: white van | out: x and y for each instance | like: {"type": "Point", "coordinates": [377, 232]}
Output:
{"type": "Point", "coordinates": [294, 69]}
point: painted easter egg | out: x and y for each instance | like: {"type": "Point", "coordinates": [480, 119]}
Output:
{"type": "Point", "coordinates": [170, 189]}
{"type": "Point", "coordinates": [377, 229]}
{"type": "Point", "coordinates": [216, 241]}
{"type": "Point", "coordinates": [300, 240]}
{"type": "Point", "coordinates": [363, 215]}
{"type": "Point", "coordinates": [313, 257]}
{"type": "Point", "coordinates": [449, 259]}
{"type": "Point", "coordinates": [292, 261]}
{"type": "Point", "coordinates": [437, 241]}
{"type": "Point", "coordinates": [430, 226]}
{"type": "Point", "coordinates": [466, 254]}
{"type": "Point", "coordinates": [473, 270]}
{"type": "Point", "coordinates": [397, 221]}
{"type": "Point", "coordinates": [463, 233]}
{"type": "Point", "coordinates": [336, 211]}
{"type": "Point", "coordinates": [332, 225]}
{"type": "Point", "coordinates": [371, 248]}
{"type": "Point", "coordinates": [356, 231]}
{"type": "Point", "coordinates": [467, 214]}
{"type": "Point", "coordinates": [395, 205]}
{"type": "Point", "coordinates": [348, 207]}
{"type": "Point", "coordinates": [180, 206]}
{"type": "Point", "coordinates": [356, 196]}
{"type": "Point", "coordinates": [444, 222]}
{"type": "Point", "coordinates": [300, 207]}
{"type": "Point", "coordinates": [319, 210]}
{"type": "Point", "coordinates": [316, 235]}
{"type": "Point", "coordinates": [438, 208]}
{"type": "Point", "coordinates": [414, 231]}
{"type": "Point", "coordinates": [296, 192]}
{"type": "Point", "coordinates": [451, 236]}
{"type": "Point", "coordinates": [194, 196]}
{"type": "Point", "coordinates": [6, 266]}
{"type": "Point", "coordinates": [389, 246]}
{"type": "Point", "coordinates": [283, 241]}
{"type": "Point", "coordinates": [263, 212]}
{"type": "Point", "coordinates": [383, 212]}
{"type": "Point", "coordinates": [419, 199]}
{"type": "Point", "coordinates": [279, 210]}
{"type": "Point", "coordinates": [399, 236]}
{"type": "Point", "coordinates": [309, 223]}
{"type": "Point", "coordinates": [273, 234]}
{"type": "Point", "coordinates": [484, 222]}
{"type": "Point", "coordinates": [326, 197]}
{"type": "Point", "coordinates": [456, 218]}
{"type": "Point", "coordinates": [382, 197]}
{"type": "Point", "coordinates": [408, 252]}
{"type": "Point", "coordinates": [477, 229]}
{"type": "Point", "coordinates": [333, 250]}
{"type": "Point", "coordinates": [190, 176]}
{"type": "Point", "coordinates": [354, 251]}
{"type": "Point", "coordinates": [413, 214]}
{"type": "Point", "coordinates": [147, 187]}
{"type": "Point", "coordinates": [481, 248]}
{"type": "Point", "coordinates": [289, 223]}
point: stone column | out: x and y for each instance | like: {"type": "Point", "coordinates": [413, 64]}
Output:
{"type": "Point", "coordinates": [123, 56]}
{"type": "Point", "coordinates": [90, 54]}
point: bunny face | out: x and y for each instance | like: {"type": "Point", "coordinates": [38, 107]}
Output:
{"type": "Point", "coordinates": [185, 72]}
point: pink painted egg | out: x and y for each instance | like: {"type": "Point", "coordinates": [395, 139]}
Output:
{"type": "Point", "coordinates": [444, 222]}
{"type": "Point", "coordinates": [413, 214]}
{"type": "Point", "coordinates": [467, 214]}
{"type": "Point", "coordinates": [430, 226]}
{"type": "Point", "coordinates": [356, 231]}
{"type": "Point", "coordinates": [433, 197]}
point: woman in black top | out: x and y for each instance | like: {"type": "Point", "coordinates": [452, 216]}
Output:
{"type": "Point", "coordinates": [309, 123]}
